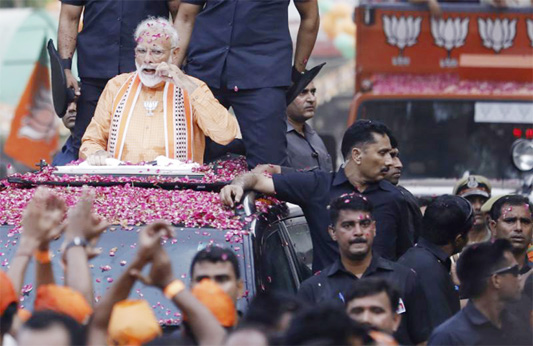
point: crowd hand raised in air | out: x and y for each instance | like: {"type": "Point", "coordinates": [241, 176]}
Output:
{"type": "Point", "coordinates": [41, 220]}
{"type": "Point", "coordinates": [150, 239]}
{"type": "Point", "coordinates": [41, 223]}
{"type": "Point", "coordinates": [82, 222]}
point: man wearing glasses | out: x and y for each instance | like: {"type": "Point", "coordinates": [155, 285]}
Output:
{"type": "Point", "coordinates": [157, 110]}
{"type": "Point", "coordinates": [489, 277]}
{"type": "Point", "coordinates": [511, 219]}
{"type": "Point", "coordinates": [104, 49]}
{"type": "Point", "coordinates": [353, 229]}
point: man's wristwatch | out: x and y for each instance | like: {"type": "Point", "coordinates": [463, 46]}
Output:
{"type": "Point", "coordinates": [66, 63]}
{"type": "Point", "coordinates": [77, 241]}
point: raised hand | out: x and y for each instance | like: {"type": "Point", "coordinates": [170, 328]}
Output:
{"type": "Point", "coordinates": [160, 273]}
{"type": "Point", "coordinates": [81, 222]}
{"type": "Point", "coordinates": [150, 239]}
{"type": "Point", "coordinates": [41, 220]}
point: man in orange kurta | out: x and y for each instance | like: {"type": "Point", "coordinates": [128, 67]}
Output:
{"type": "Point", "coordinates": [156, 110]}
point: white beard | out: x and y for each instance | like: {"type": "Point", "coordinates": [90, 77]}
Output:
{"type": "Point", "coordinates": [148, 80]}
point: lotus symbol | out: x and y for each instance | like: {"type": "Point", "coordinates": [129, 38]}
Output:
{"type": "Point", "coordinates": [530, 30]}
{"type": "Point", "coordinates": [449, 34]}
{"type": "Point", "coordinates": [401, 32]}
{"type": "Point", "coordinates": [497, 33]}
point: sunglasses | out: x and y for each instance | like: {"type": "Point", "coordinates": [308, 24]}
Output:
{"type": "Point", "coordinates": [513, 270]}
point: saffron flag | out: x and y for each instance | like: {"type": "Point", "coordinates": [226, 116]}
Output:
{"type": "Point", "coordinates": [34, 132]}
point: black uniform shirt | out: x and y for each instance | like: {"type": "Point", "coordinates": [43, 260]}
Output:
{"type": "Point", "coordinates": [414, 214]}
{"type": "Point", "coordinates": [314, 190]}
{"type": "Point", "coordinates": [241, 44]}
{"type": "Point", "coordinates": [105, 46]}
{"type": "Point", "coordinates": [334, 282]}
{"type": "Point", "coordinates": [471, 327]}
{"type": "Point", "coordinates": [432, 265]}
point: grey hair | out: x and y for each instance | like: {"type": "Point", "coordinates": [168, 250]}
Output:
{"type": "Point", "coordinates": [161, 24]}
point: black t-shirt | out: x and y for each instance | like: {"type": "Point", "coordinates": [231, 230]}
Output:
{"type": "Point", "coordinates": [243, 44]}
{"type": "Point", "coordinates": [105, 46]}
{"type": "Point", "coordinates": [314, 190]}
{"type": "Point", "coordinates": [432, 265]}
{"type": "Point", "coordinates": [470, 327]}
{"type": "Point", "coordinates": [334, 282]}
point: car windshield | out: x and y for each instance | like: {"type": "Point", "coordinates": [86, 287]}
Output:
{"type": "Point", "coordinates": [119, 247]}
{"type": "Point", "coordinates": [445, 139]}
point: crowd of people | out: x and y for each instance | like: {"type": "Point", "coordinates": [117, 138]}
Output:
{"type": "Point", "coordinates": [358, 297]}
{"type": "Point", "coordinates": [387, 269]}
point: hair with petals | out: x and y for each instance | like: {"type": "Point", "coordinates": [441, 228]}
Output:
{"type": "Point", "coordinates": [161, 24]}
{"type": "Point", "coordinates": [511, 201]}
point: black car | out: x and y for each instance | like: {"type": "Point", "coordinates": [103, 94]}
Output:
{"type": "Point", "coordinates": [276, 254]}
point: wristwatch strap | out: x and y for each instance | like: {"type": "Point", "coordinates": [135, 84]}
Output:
{"type": "Point", "coordinates": [77, 241]}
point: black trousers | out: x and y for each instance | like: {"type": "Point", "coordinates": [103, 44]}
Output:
{"type": "Point", "coordinates": [263, 122]}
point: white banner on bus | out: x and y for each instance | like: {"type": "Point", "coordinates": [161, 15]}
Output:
{"type": "Point", "coordinates": [504, 112]}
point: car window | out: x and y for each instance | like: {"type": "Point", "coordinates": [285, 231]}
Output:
{"type": "Point", "coordinates": [301, 239]}
{"type": "Point", "coordinates": [451, 136]}
{"type": "Point", "coordinates": [276, 273]}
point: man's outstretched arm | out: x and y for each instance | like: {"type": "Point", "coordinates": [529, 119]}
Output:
{"type": "Point", "coordinates": [185, 24]}
{"type": "Point", "coordinates": [309, 24]}
{"type": "Point", "coordinates": [260, 182]}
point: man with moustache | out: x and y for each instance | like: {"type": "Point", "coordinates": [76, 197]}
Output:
{"type": "Point", "coordinates": [156, 110]}
{"type": "Point", "coordinates": [104, 49]}
{"type": "Point", "coordinates": [366, 149]}
{"type": "Point", "coordinates": [353, 229]}
{"type": "Point", "coordinates": [511, 219]}
{"type": "Point", "coordinates": [305, 148]}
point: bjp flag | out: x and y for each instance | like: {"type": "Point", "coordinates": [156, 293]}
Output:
{"type": "Point", "coordinates": [34, 132]}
